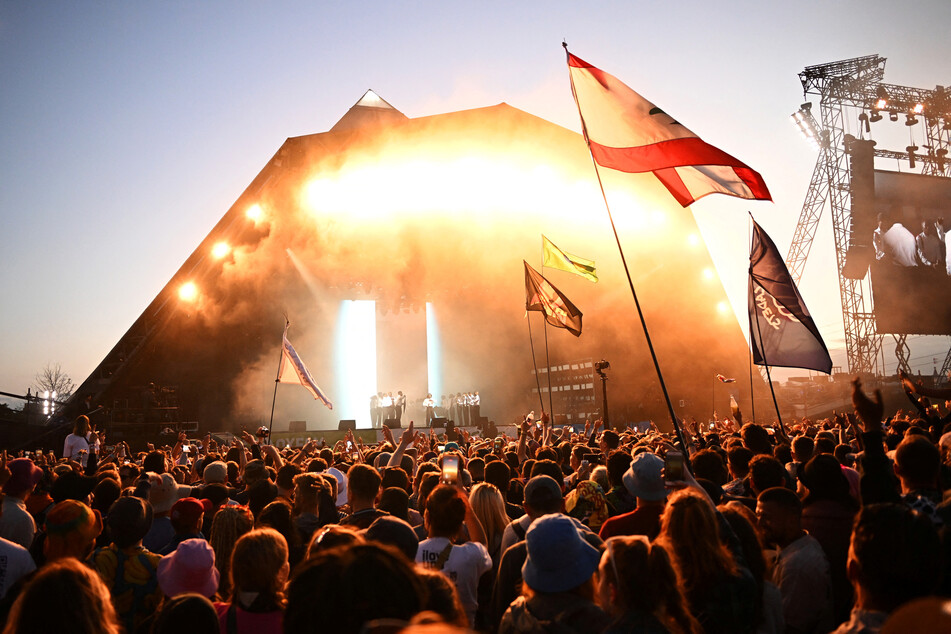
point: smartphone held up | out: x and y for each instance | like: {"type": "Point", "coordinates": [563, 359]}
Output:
{"type": "Point", "coordinates": [450, 469]}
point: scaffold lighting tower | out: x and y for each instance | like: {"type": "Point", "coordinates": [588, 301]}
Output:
{"type": "Point", "coordinates": [852, 91]}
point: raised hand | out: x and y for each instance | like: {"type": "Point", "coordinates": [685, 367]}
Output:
{"type": "Point", "coordinates": [408, 436]}
{"type": "Point", "coordinates": [388, 435]}
{"type": "Point", "coordinates": [869, 410]}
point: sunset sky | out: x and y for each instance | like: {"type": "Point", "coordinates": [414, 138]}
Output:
{"type": "Point", "coordinates": [128, 129]}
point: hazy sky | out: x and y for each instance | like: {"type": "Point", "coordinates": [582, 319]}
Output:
{"type": "Point", "coordinates": [128, 129]}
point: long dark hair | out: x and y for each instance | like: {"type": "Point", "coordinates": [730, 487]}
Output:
{"type": "Point", "coordinates": [645, 582]}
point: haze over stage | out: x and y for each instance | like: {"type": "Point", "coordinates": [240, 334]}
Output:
{"type": "Point", "coordinates": [439, 210]}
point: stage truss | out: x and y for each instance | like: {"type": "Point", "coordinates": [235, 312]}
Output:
{"type": "Point", "coordinates": [849, 92]}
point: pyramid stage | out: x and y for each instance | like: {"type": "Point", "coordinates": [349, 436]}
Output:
{"type": "Point", "coordinates": [394, 247]}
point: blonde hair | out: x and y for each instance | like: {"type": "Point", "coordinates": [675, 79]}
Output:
{"type": "Point", "coordinates": [256, 564]}
{"type": "Point", "coordinates": [64, 596]}
{"type": "Point", "coordinates": [230, 523]}
{"type": "Point", "coordinates": [489, 506]}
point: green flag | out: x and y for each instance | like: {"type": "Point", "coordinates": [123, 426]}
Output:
{"type": "Point", "coordinates": [555, 258]}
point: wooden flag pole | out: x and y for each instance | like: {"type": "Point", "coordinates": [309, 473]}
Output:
{"type": "Point", "coordinates": [663, 386]}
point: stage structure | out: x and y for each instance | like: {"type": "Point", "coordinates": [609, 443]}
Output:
{"type": "Point", "coordinates": [394, 245]}
{"type": "Point", "coordinates": [853, 101]}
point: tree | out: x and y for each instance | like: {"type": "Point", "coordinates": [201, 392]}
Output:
{"type": "Point", "coordinates": [52, 378]}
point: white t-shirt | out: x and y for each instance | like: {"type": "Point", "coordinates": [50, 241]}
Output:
{"type": "Point", "coordinates": [15, 562]}
{"type": "Point", "coordinates": [74, 444]}
{"type": "Point", "coordinates": [467, 562]}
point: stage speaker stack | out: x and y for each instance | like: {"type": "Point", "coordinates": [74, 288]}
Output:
{"type": "Point", "coordinates": [346, 424]}
{"type": "Point", "coordinates": [439, 421]}
{"type": "Point", "coordinates": [297, 426]}
{"type": "Point", "coordinates": [392, 423]}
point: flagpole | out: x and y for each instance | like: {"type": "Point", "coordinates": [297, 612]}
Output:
{"type": "Point", "coordinates": [752, 395]}
{"type": "Point", "coordinates": [749, 236]}
{"type": "Point", "coordinates": [630, 282]}
{"type": "Point", "coordinates": [277, 380]}
{"type": "Point", "coordinates": [551, 408]}
{"type": "Point", "coordinates": [713, 396]}
{"type": "Point", "coordinates": [538, 385]}
{"type": "Point", "coordinates": [769, 380]}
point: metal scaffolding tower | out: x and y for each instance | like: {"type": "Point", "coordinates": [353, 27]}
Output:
{"type": "Point", "coordinates": [854, 88]}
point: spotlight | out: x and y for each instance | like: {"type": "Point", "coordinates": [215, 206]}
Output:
{"type": "Point", "coordinates": [806, 124]}
{"type": "Point", "coordinates": [254, 212]}
{"type": "Point", "coordinates": [910, 119]}
{"type": "Point", "coordinates": [893, 115]}
{"type": "Point", "coordinates": [876, 116]}
{"type": "Point", "coordinates": [187, 292]}
{"type": "Point", "coordinates": [919, 108]}
{"type": "Point", "coordinates": [220, 250]}
{"type": "Point", "coordinates": [863, 118]}
{"type": "Point", "coordinates": [882, 95]}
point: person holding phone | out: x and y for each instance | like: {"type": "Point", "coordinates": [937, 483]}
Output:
{"type": "Point", "coordinates": [82, 442]}
{"type": "Point", "coordinates": [447, 509]}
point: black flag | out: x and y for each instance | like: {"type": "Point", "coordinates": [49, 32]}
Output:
{"type": "Point", "coordinates": [781, 331]}
{"type": "Point", "coordinates": [541, 295]}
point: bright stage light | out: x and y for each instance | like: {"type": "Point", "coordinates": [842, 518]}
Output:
{"type": "Point", "coordinates": [433, 353]}
{"type": "Point", "coordinates": [881, 103]}
{"type": "Point", "coordinates": [693, 239]}
{"type": "Point", "coordinates": [708, 273]}
{"type": "Point", "coordinates": [254, 212]}
{"type": "Point", "coordinates": [723, 308]}
{"type": "Point", "coordinates": [355, 359]}
{"type": "Point", "coordinates": [411, 186]}
{"type": "Point", "coordinates": [188, 292]}
{"type": "Point", "coordinates": [220, 250]}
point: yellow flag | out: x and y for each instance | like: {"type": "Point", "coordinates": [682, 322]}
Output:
{"type": "Point", "coordinates": [555, 258]}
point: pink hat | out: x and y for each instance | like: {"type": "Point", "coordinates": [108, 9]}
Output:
{"type": "Point", "coordinates": [24, 475]}
{"type": "Point", "coordinates": [190, 568]}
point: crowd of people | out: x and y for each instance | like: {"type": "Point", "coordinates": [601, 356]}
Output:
{"type": "Point", "coordinates": [830, 525]}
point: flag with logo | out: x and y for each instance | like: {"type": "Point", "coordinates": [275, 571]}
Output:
{"type": "Point", "coordinates": [541, 295]}
{"type": "Point", "coordinates": [723, 379]}
{"type": "Point", "coordinates": [628, 133]}
{"type": "Point", "coordinates": [294, 371]}
{"type": "Point", "coordinates": [782, 333]}
{"type": "Point", "coordinates": [555, 258]}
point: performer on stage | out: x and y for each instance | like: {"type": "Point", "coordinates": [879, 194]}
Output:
{"type": "Point", "coordinates": [462, 409]}
{"type": "Point", "coordinates": [375, 410]}
{"type": "Point", "coordinates": [400, 406]}
{"type": "Point", "coordinates": [430, 404]}
{"type": "Point", "coordinates": [474, 414]}
{"type": "Point", "coordinates": [388, 404]}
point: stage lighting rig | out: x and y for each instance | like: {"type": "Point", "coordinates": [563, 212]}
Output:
{"type": "Point", "coordinates": [806, 123]}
